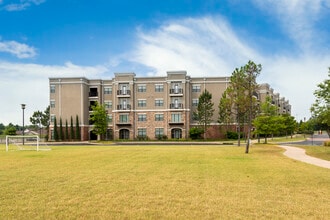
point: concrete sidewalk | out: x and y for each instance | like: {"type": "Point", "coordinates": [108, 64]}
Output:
{"type": "Point", "coordinates": [299, 154]}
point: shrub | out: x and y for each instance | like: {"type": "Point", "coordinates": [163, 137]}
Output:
{"type": "Point", "coordinates": [196, 133]}
{"type": "Point", "coordinates": [161, 137]}
{"type": "Point", "coordinates": [233, 135]}
{"type": "Point", "coordinates": [142, 138]}
{"type": "Point", "coordinates": [326, 143]}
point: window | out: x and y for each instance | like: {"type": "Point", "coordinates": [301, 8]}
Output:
{"type": "Point", "coordinates": [123, 118]}
{"type": "Point", "coordinates": [195, 102]}
{"type": "Point", "coordinates": [142, 103]}
{"type": "Point", "coordinates": [142, 117]}
{"type": "Point", "coordinates": [159, 132]}
{"type": "Point", "coordinates": [110, 118]}
{"type": "Point", "coordinates": [159, 102]}
{"type": "Point", "coordinates": [52, 103]}
{"type": "Point", "coordinates": [108, 104]}
{"type": "Point", "coordinates": [176, 117]}
{"type": "Point", "coordinates": [107, 90]}
{"type": "Point", "coordinates": [52, 88]}
{"type": "Point", "coordinates": [159, 88]}
{"type": "Point", "coordinates": [159, 117]}
{"type": "Point", "coordinates": [196, 88]}
{"type": "Point", "coordinates": [142, 88]}
{"type": "Point", "coordinates": [52, 118]}
{"type": "Point", "coordinates": [142, 132]}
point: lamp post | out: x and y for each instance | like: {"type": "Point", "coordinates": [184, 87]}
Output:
{"type": "Point", "coordinates": [23, 107]}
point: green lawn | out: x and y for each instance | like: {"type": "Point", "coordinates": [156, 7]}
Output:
{"type": "Point", "coordinates": [161, 182]}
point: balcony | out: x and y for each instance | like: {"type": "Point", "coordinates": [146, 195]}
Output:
{"type": "Point", "coordinates": [176, 122]}
{"type": "Point", "coordinates": [93, 94]}
{"type": "Point", "coordinates": [123, 93]}
{"type": "Point", "coordinates": [176, 106]}
{"type": "Point", "coordinates": [123, 123]}
{"type": "Point", "coordinates": [124, 107]}
{"type": "Point", "coordinates": [176, 92]}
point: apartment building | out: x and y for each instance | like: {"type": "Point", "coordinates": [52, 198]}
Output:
{"type": "Point", "coordinates": [141, 106]}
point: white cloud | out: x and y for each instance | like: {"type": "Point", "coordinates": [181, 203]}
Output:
{"type": "Point", "coordinates": [200, 46]}
{"type": "Point", "coordinates": [298, 18]}
{"type": "Point", "coordinates": [18, 49]}
{"type": "Point", "coordinates": [28, 83]}
{"type": "Point", "coordinates": [22, 5]}
{"type": "Point", "coordinates": [209, 46]}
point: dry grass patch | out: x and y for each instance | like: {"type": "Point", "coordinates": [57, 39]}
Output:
{"type": "Point", "coordinates": [168, 182]}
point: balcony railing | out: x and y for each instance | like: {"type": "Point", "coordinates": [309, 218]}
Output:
{"type": "Point", "coordinates": [177, 122]}
{"type": "Point", "coordinates": [177, 91]}
{"type": "Point", "coordinates": [124, 92]}
{"type": "Point", "coordinates": [176, 106]}
{"type": "Point", "coordinates": [123, 107]}
{"type": "Point", "coordinates": [93, 94]}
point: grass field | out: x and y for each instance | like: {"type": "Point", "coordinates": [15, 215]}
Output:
{"type": "Point", "coordinates": [161, 182]}
{"type": "Point", "coordinates": [321, 152]}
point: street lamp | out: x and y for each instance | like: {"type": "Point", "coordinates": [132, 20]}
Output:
{"type": "Point", "coordinates": [23, 107]}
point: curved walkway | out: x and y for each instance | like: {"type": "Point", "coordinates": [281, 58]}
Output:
{"type": "Point", "coordinates": [299, 154]}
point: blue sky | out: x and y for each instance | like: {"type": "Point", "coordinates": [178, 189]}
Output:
{"type": "Point", "coordinates": [47, 38]}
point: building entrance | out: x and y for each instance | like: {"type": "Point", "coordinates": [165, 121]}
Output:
{"type": "Point", "coordinates": [176, 133]}
{"type": "Point", "coordinates": [124, 134]}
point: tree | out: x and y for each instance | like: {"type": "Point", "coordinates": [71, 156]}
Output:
{"type": "Point", "coordinates": [72, 134]}
{"type": "Point", "coordinates": [290, 124]}
{"type": "Point", "coordinates": [251, 70]}
{"type": "Point", "coordinates": [35, 119]}
{"type": "Point", "coordinates": [10, 130]}
{"type": "Point", "coordinates": [61, 136]}
{"type": "Point", "coordinates": [56, 137]}
{"type": "Point", "coordinates": [41, 119]}
{"type": "Point", "coordinates": [236, 93]}
{"type": "Point", "coordinates": [78, 137]}
{"type": "Point", "coordinates": [2, 128]}
{"type": "Point", "coordinates": [45, 120]}
{"type": "Point", "coordinates": [241, 91]}
{"type": "Point", "coordinates": [265, 122]}
{"type": "Point", "coordinates": [225, 110]}
{"type": "Point", "coordinates": [205, 110]}
{"type": "Point", "coordinates": [66, 130]}
{"type": "Point", "coordinates": [99, 118]}
{"type": "Point", "coordinates": [321, 108]}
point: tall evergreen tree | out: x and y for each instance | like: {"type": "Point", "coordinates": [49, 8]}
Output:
{"type": "Point", "coordinates": [78, 137]}
{"type": "Point", "coordinates": [205, 110]}
{"type": "Point", "coordinates": [66, 130]}
{"type": "Point", "coordinates": [72, 134]}
{"type": "Point", "coordinates": [61, 136]}
{"type": "Point", "coordinates": [56, 138]}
